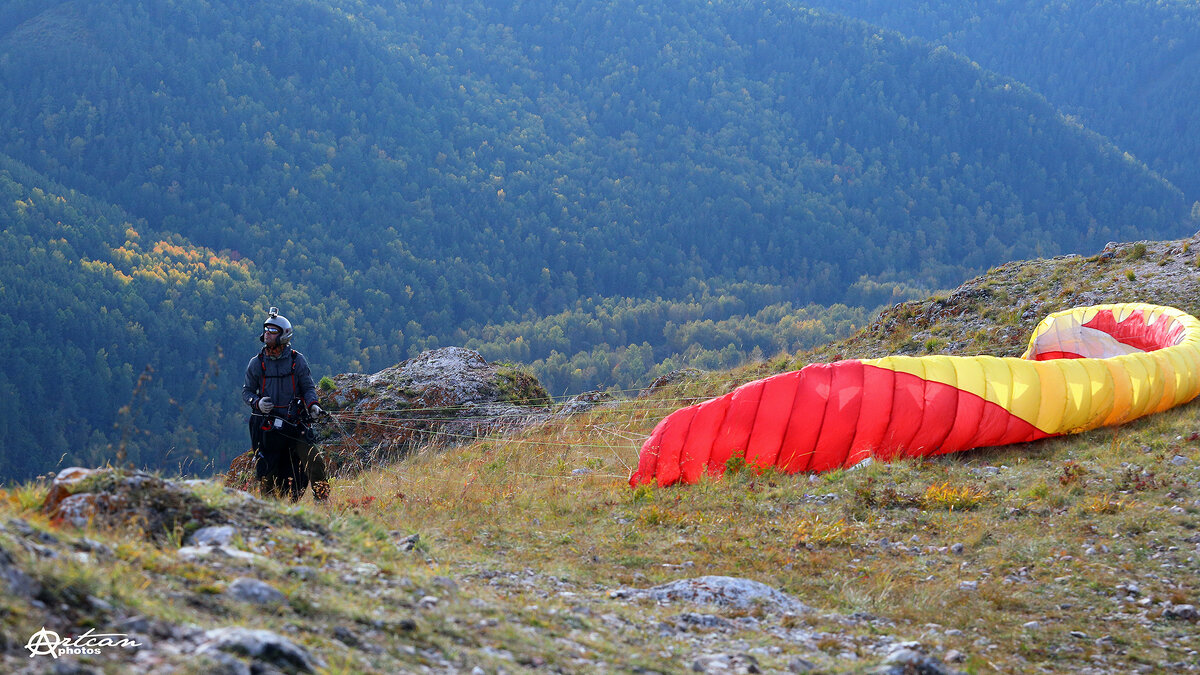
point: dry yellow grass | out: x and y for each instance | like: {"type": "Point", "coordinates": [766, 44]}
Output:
{"type": "Point", "coordinates": [1040, 532]}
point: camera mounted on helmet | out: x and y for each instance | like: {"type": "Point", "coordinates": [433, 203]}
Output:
{"type": "Point", "coordinates": [276, 324]}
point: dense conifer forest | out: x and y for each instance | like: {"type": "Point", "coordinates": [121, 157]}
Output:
{"type": "Point", "coordinates": [1128, 70]}
{"type": "Point", "coordinates": [605, 191]}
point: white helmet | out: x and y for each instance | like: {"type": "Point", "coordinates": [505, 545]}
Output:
{"type": "Point", "coordinates": [280, 322]}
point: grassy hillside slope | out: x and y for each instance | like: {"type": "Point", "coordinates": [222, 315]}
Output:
{"type": "Point", "coordinates": [1076, 554]}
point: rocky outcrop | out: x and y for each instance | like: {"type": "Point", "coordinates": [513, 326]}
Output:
{"type": "Point", "coordinates": [449, 376]}
{"type": "Point", "coordinates": [995, 313]}
{"type": "Point", "coordinates": [441, 397]}
{"type": "Point", "coordinates": [110, 497]}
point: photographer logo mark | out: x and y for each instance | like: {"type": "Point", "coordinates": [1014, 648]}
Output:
{"type": "Point", "coordinates": [48, 643]}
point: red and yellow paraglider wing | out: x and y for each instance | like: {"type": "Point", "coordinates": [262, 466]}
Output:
{"type": "Point", "coordinates": [1084, 368]}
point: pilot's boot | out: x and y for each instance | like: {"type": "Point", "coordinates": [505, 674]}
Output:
{"type": "Point", "coordinates": [313, 463]}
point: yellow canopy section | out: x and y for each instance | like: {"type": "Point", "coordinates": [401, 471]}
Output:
{"type": "Point", "coordinates": [1084, 368]}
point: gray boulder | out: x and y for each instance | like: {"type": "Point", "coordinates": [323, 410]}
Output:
{"type": "Point", "coordinates": [264, 646]}
{"type": "Point", "coordinates": [256, 592]}
{"type": "Point", "coordinates": [909, 659]}
{"type": "Point", "coordinates": [215, 535]}
{"type": "Point", "coordinates": [14, 580]}
{"type": "Point", "coordinates": [721, 591]}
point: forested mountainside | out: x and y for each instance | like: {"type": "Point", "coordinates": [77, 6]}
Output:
{"type": "Point", "coordinates": [596, 188]}
{"type": "Point", "coordinates": [1128, 69]}
{"type": "Point", "coordinates": [111, 338]}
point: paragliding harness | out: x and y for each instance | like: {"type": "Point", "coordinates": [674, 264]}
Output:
{"type": "Point", "coordinates": [296, 424]}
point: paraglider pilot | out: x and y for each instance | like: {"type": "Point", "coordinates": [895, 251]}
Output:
{"type": "Point", "coordinates": [283, 403]}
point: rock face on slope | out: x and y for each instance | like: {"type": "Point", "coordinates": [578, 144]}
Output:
{"type": "Point", "coordinates": [452, 376]}
{"type": "Point", "coordinates": [441, 397]}
{"type": "Point", "coordinates": [81, 497]}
